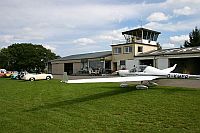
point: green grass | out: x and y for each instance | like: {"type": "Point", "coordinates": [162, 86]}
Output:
{"type": "Point", "coordinates": [51, 106]}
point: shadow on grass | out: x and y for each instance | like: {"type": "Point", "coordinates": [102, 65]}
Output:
{"type": "Point", "coordinates": [175, 89]}
{"type": "Point", "coordinates": [180, 90]}
{"type": "Point", "coordinates": [83, 99]}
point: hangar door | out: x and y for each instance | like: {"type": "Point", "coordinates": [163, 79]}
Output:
{"type": "Point", "coordinates": [68, 67]}
{"type": "Point", "coordinates": [186, 65]}
{"type": "Point", "coordinates": [148, 62]}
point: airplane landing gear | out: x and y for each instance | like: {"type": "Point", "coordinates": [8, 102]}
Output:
{"type": "Point", "coordinates": [141, 87]}
{"type": "Point", "coordinates": [146, 85]}
{"type": "Point", "coordinates": [151, 84]}
{"type": "Point", "coordinates": [123, 85]}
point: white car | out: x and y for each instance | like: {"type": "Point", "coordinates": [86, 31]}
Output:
{"type": "Point", "coordinates": [33, 77]}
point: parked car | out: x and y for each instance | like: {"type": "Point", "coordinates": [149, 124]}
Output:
{"type": "Point", "coordinates": [22, 74]}
{"type": "Point", "coordinates": [33, 77]}
{"type": "Point", "coordinates": [2, 72]}
{"type": "Point", "coordinates": [8, 74]}
{"type": "Point", "coordinates": [15, 75]}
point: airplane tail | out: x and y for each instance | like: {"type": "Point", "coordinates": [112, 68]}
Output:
{"type": "Point", "coordinates": [170, 69]}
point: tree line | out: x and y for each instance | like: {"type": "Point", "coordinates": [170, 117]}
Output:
{"type": "Point", "coordinates": [25, 56]}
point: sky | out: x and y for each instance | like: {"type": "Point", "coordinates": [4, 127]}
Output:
{"type": "Point", "coordinates": [81, 26]}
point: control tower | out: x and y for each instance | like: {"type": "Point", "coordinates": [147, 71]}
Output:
{"type": "Point", "coordinates": [141, 35]}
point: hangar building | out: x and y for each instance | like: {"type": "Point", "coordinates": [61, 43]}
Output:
{"type": "Point", "coordinates": [140, 48]}
{"type": "Point", "coordinates": [95, 63]}
{"type": "Point", "coordinates": [187, 59]}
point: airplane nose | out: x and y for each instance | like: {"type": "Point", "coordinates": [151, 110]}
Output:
{"type": "Point", "coordinates": [116, 73]}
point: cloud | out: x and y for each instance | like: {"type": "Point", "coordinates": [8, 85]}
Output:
{"type": "Point", "coordinates": [168, 45]}
{"type": "Point", "coordinates": [179, 39]}
{"type": "Point", "coordinates": [6, 38]}
{"type": "Point", "coordinates": [175, 41]}
{"type": "Point", "coordinates": [55, 14]}
{"type": "Point", "coordinates": [113, 35]}
{"type": "Point", "coordinates": [182, 1]}
{"type": "Point", "coordinates": [157, 16]}
{"type": "Point", "coordinates": [177, 26]}
{"type": "Point", "coordinates": [64, 22]}
{"type": "Point", "coordinates": [184, 11]}
{"type": "Point", "coordinates": [52, 48]}
{"type": "Point", "coordinates": [48, 21]}
{"type": "Point", "coordinates": [84, 41]}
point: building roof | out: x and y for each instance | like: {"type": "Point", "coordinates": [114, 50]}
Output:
{"type": "Point", "coordinates": [86, 56]}
{"type": "Point", "coordinates": [133, 32]}
{"type": "Point", "coordinates": [133, 43]}
{"type": "Point", "coordinates": [175, 51]}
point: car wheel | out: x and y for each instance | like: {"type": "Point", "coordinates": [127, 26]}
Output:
{"type": "Point", "coordinates": [48, 78]}
{"type": "Point", "coordinates": [32, 79]}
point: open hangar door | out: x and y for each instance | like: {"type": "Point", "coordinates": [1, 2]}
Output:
{"type": "Point", "coordinates": [68, 67]}
{"type": "Point", "coordinates": [186, 65]}
{"type": "Point", "coordinates": [148, 62]}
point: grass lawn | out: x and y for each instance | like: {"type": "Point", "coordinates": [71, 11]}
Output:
{"type": "Point", "coordinates": [51, 106]}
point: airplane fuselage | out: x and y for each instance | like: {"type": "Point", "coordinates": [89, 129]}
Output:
{"type": "Point", "coordinates": [152, 71]}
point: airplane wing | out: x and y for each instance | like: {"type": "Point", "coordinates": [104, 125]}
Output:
{"type": "Point", "coordinates": [114, 79]}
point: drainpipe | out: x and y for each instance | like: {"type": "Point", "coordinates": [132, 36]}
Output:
{"type": "Point", "coordinates": [155, 64]}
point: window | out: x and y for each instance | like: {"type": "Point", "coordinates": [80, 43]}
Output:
{"type": "Point", "coordinates": [140, 49]}
{"type": "Point", "coordinates": [117, 50]}
{"type": "Point", "coordinates": [122, 62]}
{"type": "Point", "coordinates": [127, 49]}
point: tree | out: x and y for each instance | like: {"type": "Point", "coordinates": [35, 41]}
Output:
{"type": "Point", "coordinates": [25, 56]}
{"type": "Point", "coordinates": [159, 46]}
{"type": "Point", "coordinates": [194, 38]}
{"type": "Point", "coordinates": [3, 58]}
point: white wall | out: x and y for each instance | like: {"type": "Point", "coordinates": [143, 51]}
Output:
{"type": "Point", "coordinates": [162, 63]}
{"type": "Point", "coordinates": [130, 63]}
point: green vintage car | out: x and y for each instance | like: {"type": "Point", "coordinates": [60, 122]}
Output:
{"type": "Point", "coordinates": [15, 75]}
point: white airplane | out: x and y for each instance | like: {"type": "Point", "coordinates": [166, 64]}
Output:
{"type": "Point", "coordinates": [144, 73]}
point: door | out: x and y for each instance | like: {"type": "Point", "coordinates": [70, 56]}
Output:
{"type": "Point", "coordinates": [68, 67]}
{"type": "Point", "coordinates": [114, 66]}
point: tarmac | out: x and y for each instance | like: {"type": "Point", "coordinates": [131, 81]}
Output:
{"type": "Point", "coordinates": [189, 83]}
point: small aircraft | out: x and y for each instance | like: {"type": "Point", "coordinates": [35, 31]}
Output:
{"type": "Point", "coordinates": [143, 73]}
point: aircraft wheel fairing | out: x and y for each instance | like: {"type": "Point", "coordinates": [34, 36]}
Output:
{"type": "Point", "coordinates": [141, 87]}
{"type": "Point", "coordinates": [152, 84]}
{"type": "Point", "coordinates": [123, 85]}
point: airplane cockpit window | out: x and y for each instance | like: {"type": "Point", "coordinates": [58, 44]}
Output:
{"type": "Point", "coordinates": [140, 68]}
{"type": "Point", "coordinates": [133, 70]}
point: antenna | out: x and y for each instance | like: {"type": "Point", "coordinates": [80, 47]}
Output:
{"type": "Point", "coordinates": [140, 20]}
{"type": "Point", "coordinates": [141, 27]}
